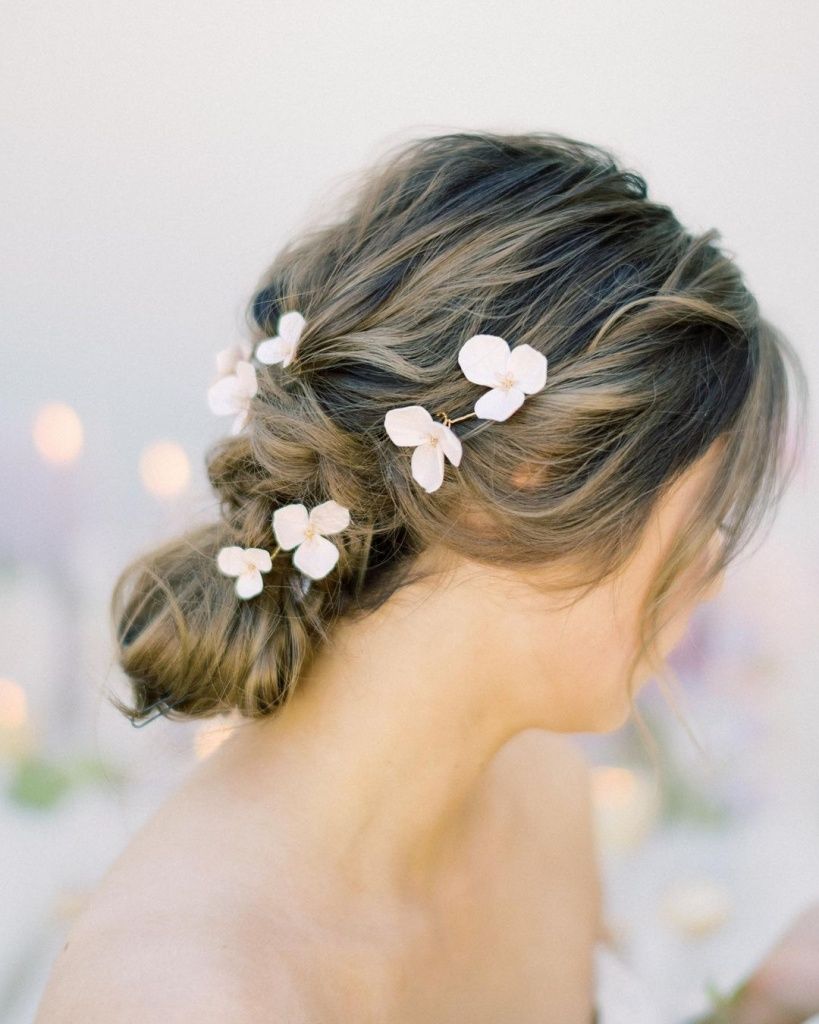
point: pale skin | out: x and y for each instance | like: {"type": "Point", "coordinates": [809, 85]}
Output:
{"type": "Point", "coordinates": [408, 840]}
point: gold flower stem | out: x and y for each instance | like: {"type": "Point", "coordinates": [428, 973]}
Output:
{"type": "Point", "coordinates": [448, 422]}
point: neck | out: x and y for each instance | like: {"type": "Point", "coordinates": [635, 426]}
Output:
{"type": "Point", "coordinates": [376, 762]}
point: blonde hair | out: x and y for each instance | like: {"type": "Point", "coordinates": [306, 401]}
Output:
{"type": "Point", "coordinates": [656, 350]}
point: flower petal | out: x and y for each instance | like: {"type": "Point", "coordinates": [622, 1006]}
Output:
{"type": "Point", "coordinates": [290, 327]}
{"type": "Point", "coordinates": [499, 403]}
{"type": "Point", "coordinates": [231, 560]}
{"type": "Point", "coordinates": [289, 355]}
{"type": "Point", "coordinates": [450, 443]}
{"type": "Point", "coordinates": [246, 376]}
{"type": "Point", "coordinates": [409, 425]}
{"type": "Point", "coordinates": [289, 525]}
{"type": "Point", "coordinates": [224, 396]}
{"type": "Point", "coordinates": [240, 420]}
{"type": "Point", "coordinates": [272, 350]}
{"type": "Point", "coordinates": [528, 367]}
{"type": "Point", "coordinates": [227, 359]}
{"type": "Point", "coordinates": [330, 517]}
{"type": "Point", "coordinates": [259, 558]}
{"type": "Point", "coordinates": [483, 358]}
{"type": "Point", "coordinates": [428, 466]}
{"type": "Point", "coordinates": [249, 583]}
{"type": "Point", "coordinates": [316, 557]}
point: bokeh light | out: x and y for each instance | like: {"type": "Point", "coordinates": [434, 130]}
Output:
{"type": "Point", "coordinates": [16, 731]}
{"type": "Point", "coordinates": [13, 705]}
{"type": "Point", "coordinates": [58, 433]}
{"type": "Point", "coordinates": [696, 906]}
{"type": "Point", "coordinates": [626, 805]}
{"type": "Point", "coordinates": [165, 469]}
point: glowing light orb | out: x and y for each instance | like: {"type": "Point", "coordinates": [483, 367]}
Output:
{"type": "Point", "coordinates": [165, 469]}
{"type": "Point", "coordinates": [696, 906]}
{"type": "Point", "coordinates": [58, 433]}
{"type": "Point", "coordinates": [13, 707]}
{"type": "Point", "coordinates": [625, 804]}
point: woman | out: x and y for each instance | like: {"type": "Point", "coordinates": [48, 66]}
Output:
{"type": "Point", "coordinates": [400, 829]}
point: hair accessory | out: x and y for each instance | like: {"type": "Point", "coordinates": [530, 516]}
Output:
{"type": "Point", "coordinates": [236, 383]}
{"type": "Point", "coordinates": [160, 709]}
{"type": "Point", "coordinates": [305, 531]}
{"type": "Point", "coordinates": [511, 375]}
{"type": "Point", "coordinates": [230, 395]}
{"type": "Point", "coordinates": [227, 359]}
{"type": "Point", "coordinates": [282, 348]}
{"type": "Point", "coordinates": [247, 565]}
{"type": "Point", "coordinates": [413, 426]}
{"type": "Point", "coordinates": [294, 527]}
{"type": "Point", "coordinates": [484, 359]}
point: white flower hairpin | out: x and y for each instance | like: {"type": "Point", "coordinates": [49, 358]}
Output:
{"type": "Point", "coordinates": [282, 348]}
{"type": "Point", "coordinates": [247, 565]}
{"type": "Point", "coordinates": [305, 531]}
{"type": "Point", "coordinates": [230, 395]}
{"type": "Point", "coordinates": [294, 527]}
{"type": "Point", "coordinates": [413, 426]}
{"type": "Point", "coordinates": [511, 376]}
{"type": "Point", "coordinates": [227, 359]}
{"type": "Point", "coordinates": [236, 382]}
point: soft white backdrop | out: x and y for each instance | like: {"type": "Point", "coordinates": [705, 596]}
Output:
{"type": "Point", "coordinates": [156, 154]}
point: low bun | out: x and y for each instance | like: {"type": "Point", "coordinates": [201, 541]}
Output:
{"type": "Point", "coordinates": [190, 647]}
{"type": "Point", "coordinates": [188, 644]}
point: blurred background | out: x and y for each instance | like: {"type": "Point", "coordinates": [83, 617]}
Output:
{"type": "Point", "coordinates": [156, 155]}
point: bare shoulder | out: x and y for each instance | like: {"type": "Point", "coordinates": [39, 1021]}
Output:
{"type": "Point", "coordinates": [158, 969]}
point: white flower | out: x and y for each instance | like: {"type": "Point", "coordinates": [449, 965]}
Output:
{"type": "Point", "coordinates": [295, 528]}
{"type": "Point", "coordinates": [282, 348]}
{"type": "Point", "coordinates": [231, 394]}
{"type": "Point", "coordinates": [486, 359]}
{"type": "Point", "coordinates": [413, 425]}
{"type": "Point", "coordinates": [227, 359]}
{"type": "Point", "coordinates": [247, 564]}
